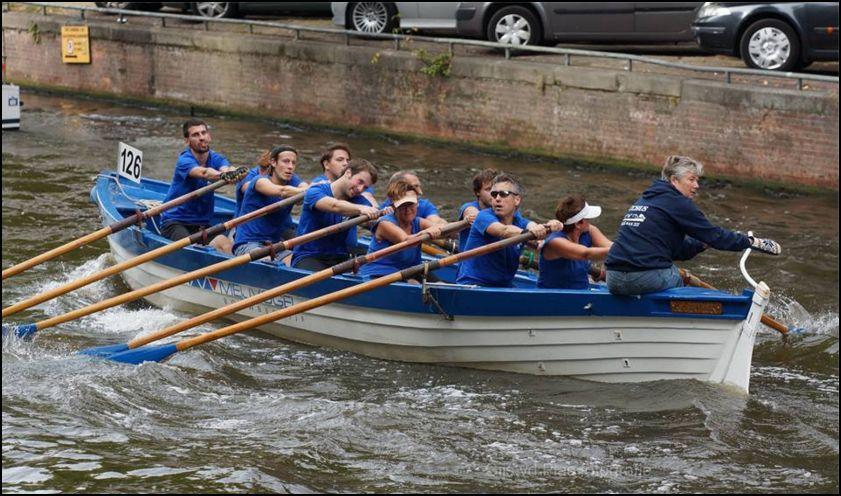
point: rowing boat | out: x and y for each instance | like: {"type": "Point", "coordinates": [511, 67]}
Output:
{"type": "Point", "coordinates": [682, 333]}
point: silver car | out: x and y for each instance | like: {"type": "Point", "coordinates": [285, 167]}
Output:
{"type": "Point", "coordinates": [386, 17]}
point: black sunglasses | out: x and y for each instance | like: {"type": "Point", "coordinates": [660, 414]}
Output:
{"type": "Point", "coordinates": [503, 193]}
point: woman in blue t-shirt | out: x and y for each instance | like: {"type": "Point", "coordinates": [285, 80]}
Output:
{"type": "Point", "coordinates": [396, 228]}
{"type": "Point", "coordinates": [566, 255]}
{"type": "Point", "coordinates": [280, 182]}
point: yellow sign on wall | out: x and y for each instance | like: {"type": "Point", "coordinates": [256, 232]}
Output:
{"type": "Point", "coordinates": [75, 45]}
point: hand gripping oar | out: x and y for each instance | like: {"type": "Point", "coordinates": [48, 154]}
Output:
{"type": "Point", "coordinates": [766, 319]}
{"type": "Point", "coordinates": [161, 352]}
{"type": "Point", "coordinates": [227, 178]}
{"type": "Point", "coordinates": [321, 275]}
{"type": "Point", "coordinates": [25, 330]}
{"type": "Point", "coordinates": [200, 237]}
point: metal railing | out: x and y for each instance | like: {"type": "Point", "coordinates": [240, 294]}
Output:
{"type": "Point", "coordinates": [397, 39]}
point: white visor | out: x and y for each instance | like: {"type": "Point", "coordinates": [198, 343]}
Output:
{"type": "Point", "coordinates": [588, 212]}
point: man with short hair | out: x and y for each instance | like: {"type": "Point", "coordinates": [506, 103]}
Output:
{"type": "Point", "coordinates": [334, 160]}
{"type": "Point", "coordinates": [327, 204]}
{"type": "Point", "coordinates": [196, 167]}
{"type": "Point", "coordinates": [482, 184]}
{"type": "Point", "coordinates": [502, 220]}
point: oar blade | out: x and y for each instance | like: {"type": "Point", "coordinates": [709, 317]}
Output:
{"type": "Point", "coordinates": [105, 351]}
{"type": "Point", "coordinates": [23, 331]}
{"type": "Point", "coordinates": [144, 354]}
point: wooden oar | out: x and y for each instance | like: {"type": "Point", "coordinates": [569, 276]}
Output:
{"type": "Point", "coordinates": [199, 237]}
{"type": "Point", "coordinates": [26, 330]}
{"type": "Point", "coordinates": [161, 352]}
{"type": "Point", "coordinates": [337, 269]}
{"type": "Point", "coordinates": [435, 248]}
{"type": "Point", "coordinates": [227, 178]}
{"type": "Point", "coordinates": [766, 319]}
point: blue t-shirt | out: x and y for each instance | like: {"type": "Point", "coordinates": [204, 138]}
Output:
{"type": "Point", "coordinates": [252, 173]}
{"type": "Point", "coordinates": [563, 272]}
{"type": "Point", "coordinates": [403, 259]}
{"type": "Point", "coordinates": [197, 211]}
{"type": "Point", "coordinates": [462, 236]}
{"type": "Point", "coordinates": [269, 227]}
{"type": "Point", "coordinates": [323, 178]}
{"type": "Point", "coordinates": [425, 207]}
{"type": "Point", "coordinates": [313, 219]}
{"type": "Point", "coordinates": [497, 268]}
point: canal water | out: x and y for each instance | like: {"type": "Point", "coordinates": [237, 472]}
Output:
{"type": "Point", "coordinates": [253, 413]}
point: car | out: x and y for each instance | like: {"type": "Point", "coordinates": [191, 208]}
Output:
{"type": "Point", "coordinates": [386, 17]}
{"type": "Point", "coordinates": [543, 23]}
{"type": "Point", "coordinates": [779, 36]}
{"type": "Point", "coordinates": [217, 10]}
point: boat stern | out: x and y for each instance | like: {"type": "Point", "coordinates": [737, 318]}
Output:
{"type": "Point", "coordinates": [735, 372]}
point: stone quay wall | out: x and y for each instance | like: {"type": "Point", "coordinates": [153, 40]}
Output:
{"type": "Point", "coordinates": [761, 134]}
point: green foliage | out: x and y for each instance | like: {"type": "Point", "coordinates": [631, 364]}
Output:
{"type": "Point", "coordinates": [35, 31]}
{"type": "Point", "coordinates": [435, 66]}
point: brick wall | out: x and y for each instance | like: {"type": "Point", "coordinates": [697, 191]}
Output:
{"type": "Point", "coordinates": [744, 132]}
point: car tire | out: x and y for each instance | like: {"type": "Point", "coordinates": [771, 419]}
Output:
{"type": "Point", "coordinates": [372, 17]}
{"type": "Point", "coordinates": [770, 44]}
{"type": "Point", "coordinates": [514, 25]}
{"type": "Point", "coordinates": [214, 10]}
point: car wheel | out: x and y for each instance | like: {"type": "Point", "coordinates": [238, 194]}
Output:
{"type": "Point", "coordinates": [515, 25]}
{"type": "Point", "coordinates": [215, 10]}
{"type": "Point", "coordinates": [372, 17]}
{"type": "Point", "coordinates": [770, 44]}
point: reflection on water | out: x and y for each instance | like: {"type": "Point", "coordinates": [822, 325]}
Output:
{"type": "Point", "coordinates": [250, 413]}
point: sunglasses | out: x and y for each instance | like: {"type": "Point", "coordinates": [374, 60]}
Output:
{"type": "Point", "coordinates": [503, 193]}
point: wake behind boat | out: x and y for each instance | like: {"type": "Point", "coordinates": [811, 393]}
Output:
{"type": "Point", "coordinates": [589, 334]}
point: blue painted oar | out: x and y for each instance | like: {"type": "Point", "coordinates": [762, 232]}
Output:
{"type": "Point", "coordinates": [162, 352]}
{"type": "Point", "coordinates": [227, 178]}
{"type": "Point", "coordinates": [321, 275]}
{"type": "Point", "coordinates": [255, 254]}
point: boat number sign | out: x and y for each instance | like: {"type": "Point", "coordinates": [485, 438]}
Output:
{"type": "Point", "coordinates": [130, 163]}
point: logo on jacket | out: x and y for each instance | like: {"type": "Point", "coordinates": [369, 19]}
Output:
{"type": "Point", "coordinates": [635, 217]}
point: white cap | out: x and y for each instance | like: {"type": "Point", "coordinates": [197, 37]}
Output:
{"type": "Point", "coordinates": [409, 197]}
{"type": "Point", "coordinates": [588, 212]}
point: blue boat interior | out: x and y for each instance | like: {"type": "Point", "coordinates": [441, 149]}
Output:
{"type": "Point", "coordinates": [119, 198]}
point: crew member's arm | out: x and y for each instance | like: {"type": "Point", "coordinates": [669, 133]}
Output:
{"type": "Point", "coordinates": [207, 173]}
{"type": "Point", "coordinates": [267, 187]}
{"type": "Point", "coordinates": [342, 207]}
{"type": "Point", "coordinates": [564, 248]}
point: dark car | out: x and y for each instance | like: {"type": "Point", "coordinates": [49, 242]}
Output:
{"type": "Point", "coordinates": [536, 23]}
{"type": "Point", "coordinates": [781, 36]}
{"type": "Point", "coordinates": [235, 9]}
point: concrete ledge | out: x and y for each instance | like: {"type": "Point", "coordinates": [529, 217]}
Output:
{"type": "Point", "coordinates": [587, 78]}
{"type": "Point", "coordinates": [652, 84]}
{"type": "Point", "coordinates": [740, 96]}
{"type": "Point", "coordinates": [527, 72]}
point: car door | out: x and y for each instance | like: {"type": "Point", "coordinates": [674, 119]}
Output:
{"type": "Point", "coordinates": [435, 15]}
{"type": "Point", "coordinates": [664, 21]}
{"type": "Point", "coordinates": [821, 27]}
{"type": "Point", "coordinates": [597, 21]}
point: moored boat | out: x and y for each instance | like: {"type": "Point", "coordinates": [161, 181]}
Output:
{"type": "Point", "coordinates": [590, 334]}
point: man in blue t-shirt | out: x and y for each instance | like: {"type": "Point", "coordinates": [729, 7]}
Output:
{"type": "Point", "coordinates": [196, 167]}
{"type": "Point", "coordinates": [334, 161]}
{"type": "Point", "coordinates": [327, 204]}
{"type": "Point", "coordinates": [502, 220]}
{"type": "Point", "coordinates": [482, 184]}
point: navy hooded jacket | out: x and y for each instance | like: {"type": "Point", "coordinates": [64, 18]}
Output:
{"type": "Point", "coordinates": [663, 226]}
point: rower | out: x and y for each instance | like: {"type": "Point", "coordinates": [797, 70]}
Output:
{"type": "Point", "coordinates": [566, 255]}
{"type": "Point", "coordinates": [482, 183]}
{"type": "Point", "coordinates": [281, 182]}
{"type": "Point", "coordinates": [426, 210]}
{"type": "Point", "coordinates": [196, 167]}
{"type": "Point", "coordinates": [396, 228]}
{"type": "Point", "coordinates": [665, 225]}
{"type": "Point", "coordinates": [334, 161]}
{"type": "Point", "coordinates": [502, 220]}
{"type": "Point", "coordinates": [326, 204]}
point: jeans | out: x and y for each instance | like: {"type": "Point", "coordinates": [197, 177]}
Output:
{"type": "Point", "coordinates": [245, 248]}
{"type": "Point", "coordinates": [647, 281]}
{"type": "Point", "coordinates": [176, 230]}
